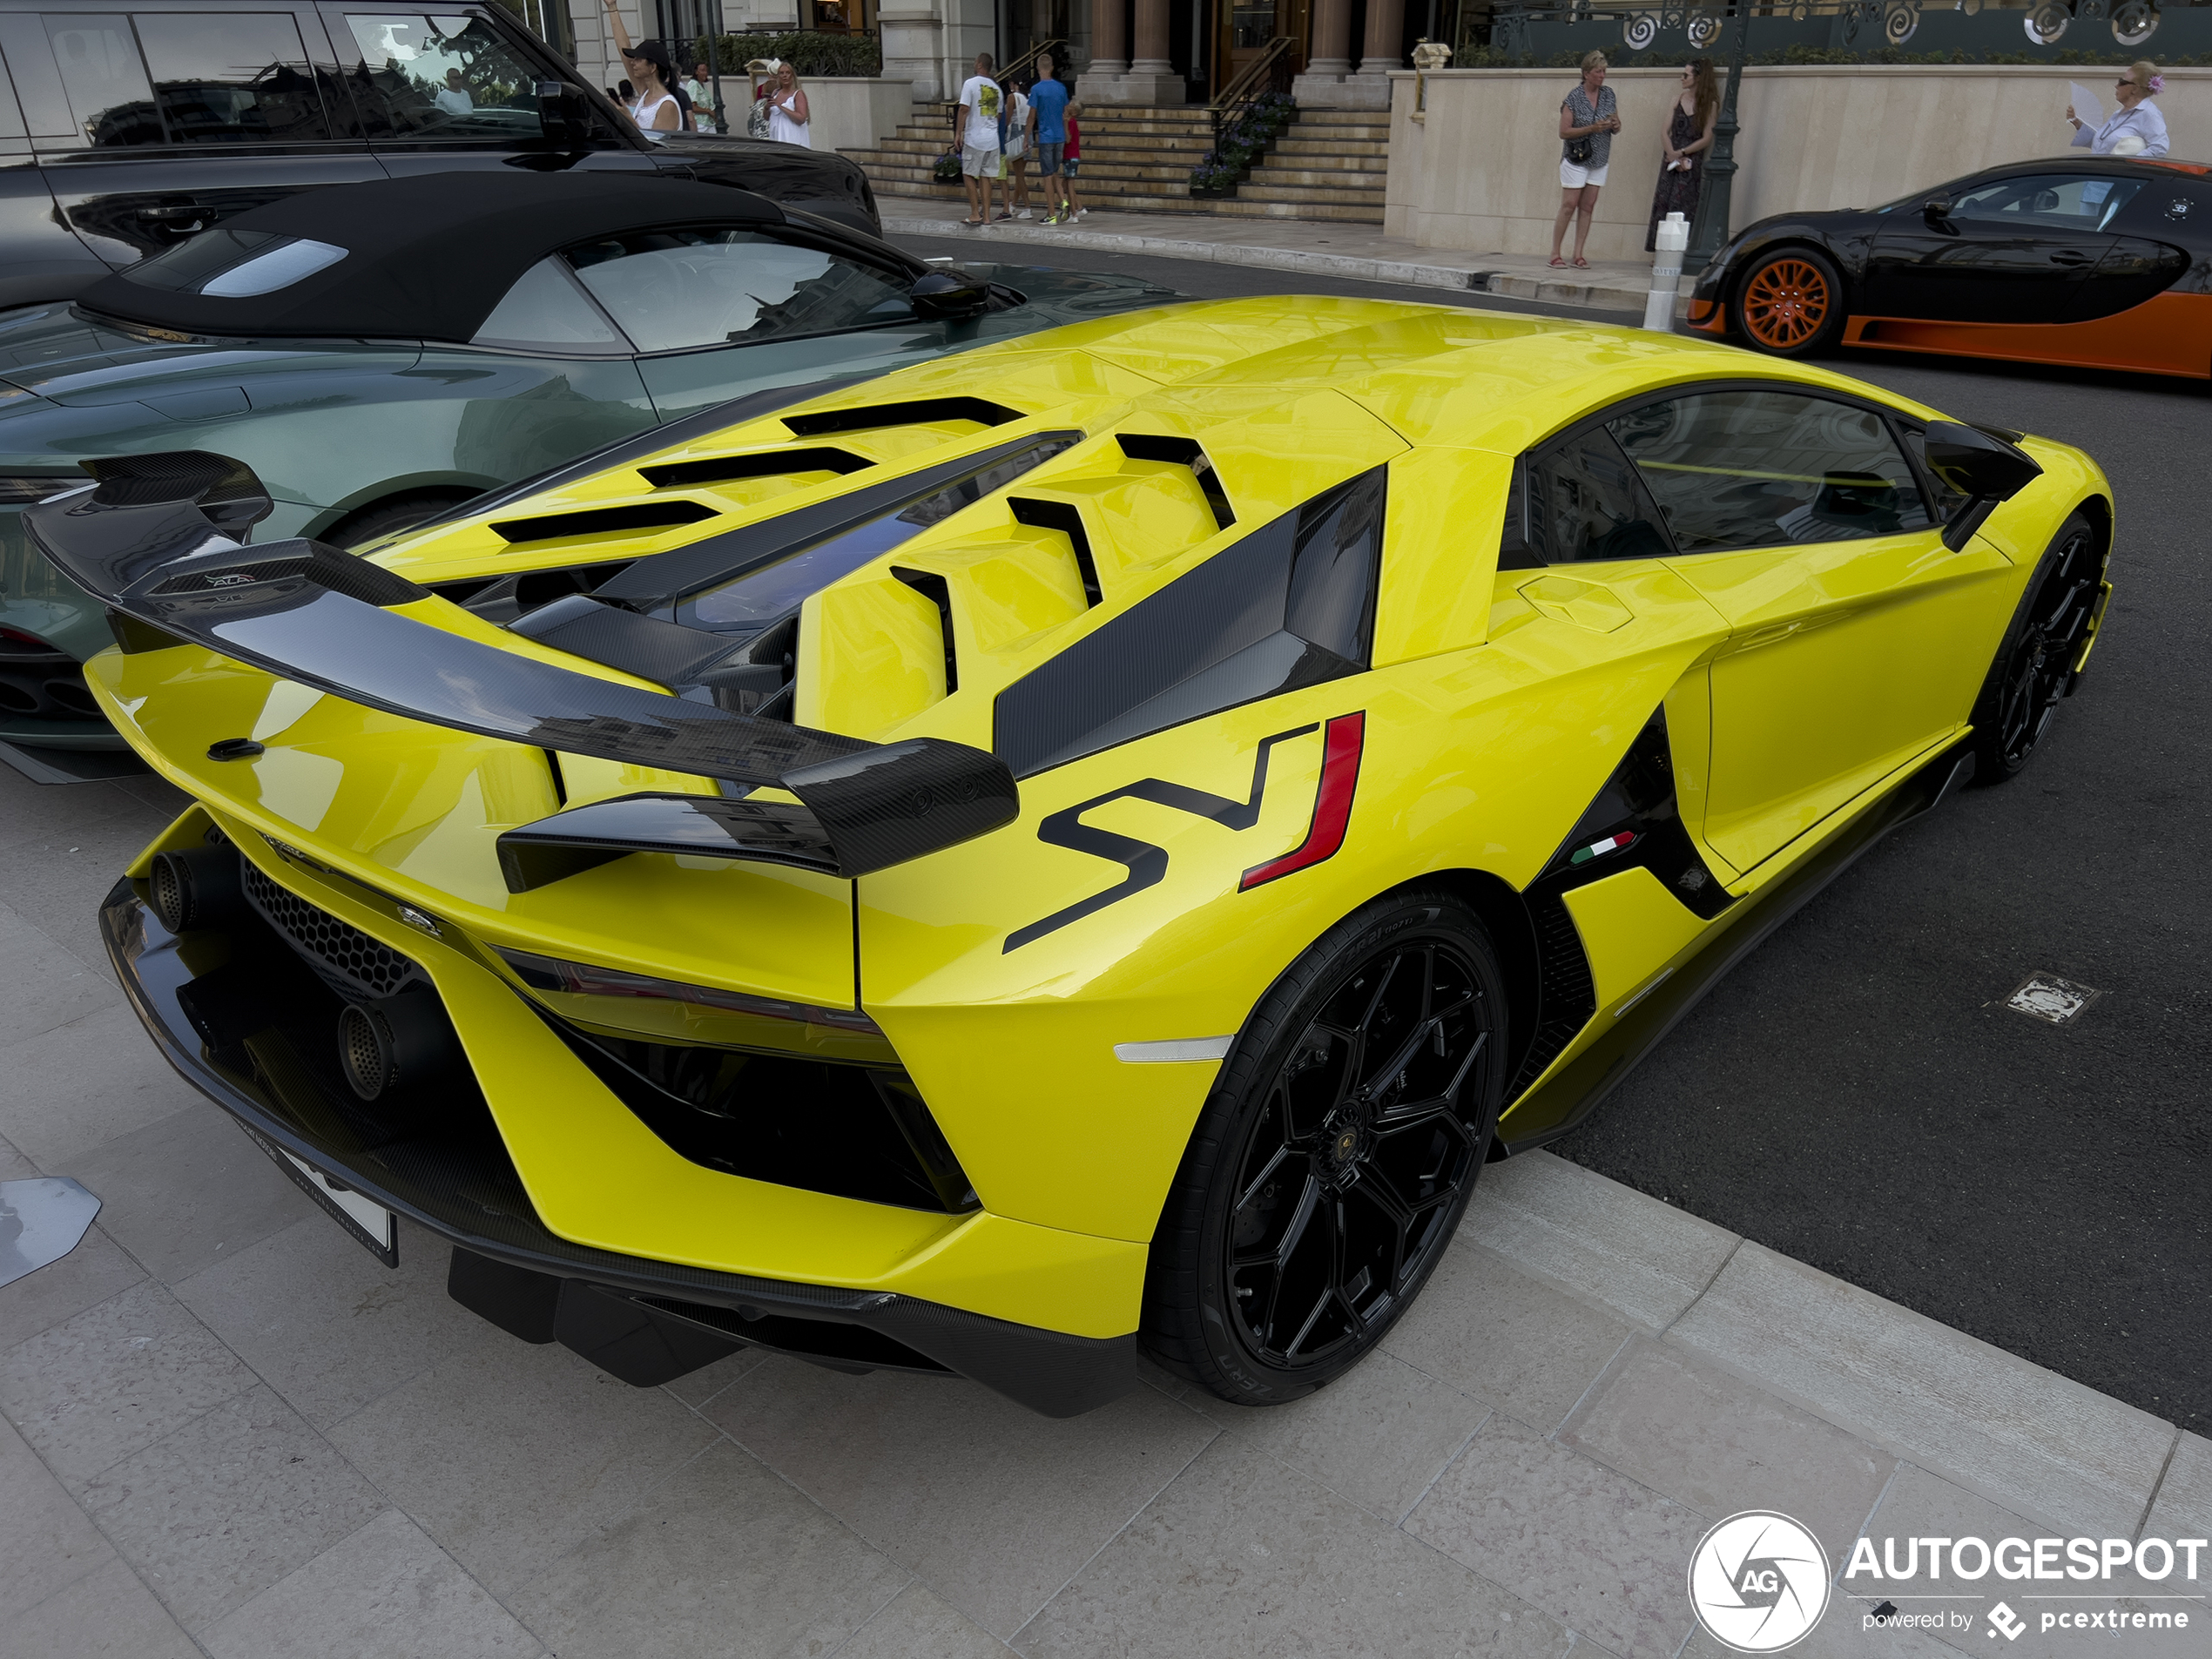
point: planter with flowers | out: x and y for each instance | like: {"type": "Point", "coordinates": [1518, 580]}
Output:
{"type": "Point", "coordinates": [1240, 144]}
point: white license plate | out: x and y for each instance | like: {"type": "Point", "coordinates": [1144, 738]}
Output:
{"type": "Point", "coordinates": [370, 1222]}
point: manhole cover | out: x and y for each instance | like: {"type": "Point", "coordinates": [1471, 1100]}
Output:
{"type": "Point", "coordinates": [2052, 999]}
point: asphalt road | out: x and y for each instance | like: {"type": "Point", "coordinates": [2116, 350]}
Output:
{"type": "Point", "coordinates": [1856, 1094]}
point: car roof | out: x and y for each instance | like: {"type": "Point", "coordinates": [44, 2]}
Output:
{"type": "Point", "coordinates": [425, 257]}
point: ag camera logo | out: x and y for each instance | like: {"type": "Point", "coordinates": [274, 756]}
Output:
{"type": "Point", "coordinates": [1758, 1582]}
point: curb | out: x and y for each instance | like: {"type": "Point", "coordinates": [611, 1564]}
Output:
{"type": "Point", "coordinates": [2038, 1444]}
{"type": "Point", "coordinates": [1604, 296]}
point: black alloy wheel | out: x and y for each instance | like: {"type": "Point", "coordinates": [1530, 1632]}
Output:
{"type": "Point", "coordinates": [1335, 1156]}
{"type": "Point", "coordinates": [2035, 666]}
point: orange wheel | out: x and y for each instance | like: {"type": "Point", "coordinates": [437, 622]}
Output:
{"type": "Point", "coordinates": [1790, 304]}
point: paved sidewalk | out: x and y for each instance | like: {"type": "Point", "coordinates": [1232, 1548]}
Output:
{"type": "Point", "coordinates": [230, 1431]}
{"type": "Point", "coordinates": [1358, 252]}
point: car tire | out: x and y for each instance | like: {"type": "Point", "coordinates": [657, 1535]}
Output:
{"type": "Point", "coordinates": [2035, 666]}
{"type": "Point", "coordinates": [1316, 1196]}
{"type": "Point", "coordinates": [1789, 303]}
{"type": "Point", "coordinates": [373, 523]}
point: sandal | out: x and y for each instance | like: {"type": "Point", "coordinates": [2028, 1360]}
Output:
{"type": "Point", "coordinates": [1559, 262]}
{"type": "Point", "coordinates": [1582, 263]}
{"type": "Point", "coordinates": [971, 223]}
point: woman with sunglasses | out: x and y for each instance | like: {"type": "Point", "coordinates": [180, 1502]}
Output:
{"type": "Point", "coordinates": [2136, 128]}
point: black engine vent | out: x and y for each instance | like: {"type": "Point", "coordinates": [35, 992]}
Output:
{"type": "Point", "coordinates": [920, 412]}
{"type": "Point", "coordinates": [774, 463]}
{"type": "Point", "coordinates": [605, 521]}
{"type": "Point", "coordinates": [1182, 452]}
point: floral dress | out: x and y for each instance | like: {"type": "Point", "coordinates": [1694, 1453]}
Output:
{"type": "Point", "coordinates": [1678, 192]}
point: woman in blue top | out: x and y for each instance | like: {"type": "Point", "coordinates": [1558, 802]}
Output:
{"type": "Point", "coordinates": [1588, 121]}
{"type": "Point", "coordinates": [2134, 120]}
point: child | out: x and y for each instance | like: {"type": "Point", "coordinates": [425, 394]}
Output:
{"type": "Point", "coordinates": [1069, 157]}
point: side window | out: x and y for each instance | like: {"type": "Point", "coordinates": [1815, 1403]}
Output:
{"type": "Point", "coordinates": [232, 78]}
{"type": "Point", "coordinates": [2047, 201]}
{"type": "Point", "coordinates": [1757, 469]}
{"type": "Point", "coordinates": [105, 84]}
{"type": "Point", "coordinates": [425, 77]}
{"type": "Point", "coordinates": [673, 290]}
{"type": "Point", "coordinates": [1584, 501]}
{"type": "Point", "coordinates": [546, 310]}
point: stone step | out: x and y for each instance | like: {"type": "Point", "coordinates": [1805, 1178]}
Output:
{"type": "Point", "coordinates": [1269, 176]}
{"type": "Point", "coordinates": [1094, 176]}
{"type": "Point", "coordinates": [1294, 145]}
{"type": "Point", "coordinates": [1319, 195]}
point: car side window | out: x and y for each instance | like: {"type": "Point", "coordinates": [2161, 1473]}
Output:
{"type": "Point", "coordinates": [680, 290]}
{"type": "Point", "coordinates": [1582, 500]}
{"type": "Point", "coordinates": [546, 310]}
{"type": "Point", "coordinates": [2047, 201]}
{"type": "Point", "coordinates": [232, 78]}
{"type": "Point", "coordinates": [431, 77]}
{"type": "Point", "coordinates": [1736, 469]}
{"type": "Point", "coordinates": [105, 81]}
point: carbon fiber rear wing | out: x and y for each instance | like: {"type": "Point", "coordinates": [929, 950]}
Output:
{"type": "Point", "coordinates": [160, 538]}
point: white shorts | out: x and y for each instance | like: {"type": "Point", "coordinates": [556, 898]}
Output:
{"type": "Point", "coordinates": [1574, 178]}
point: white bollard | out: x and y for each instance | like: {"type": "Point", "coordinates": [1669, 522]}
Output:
{"type": "Point", "coordinates": [1666, 274]}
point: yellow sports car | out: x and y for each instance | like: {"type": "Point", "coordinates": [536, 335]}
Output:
{"type": "Point", "coordinates": [1088, 844]}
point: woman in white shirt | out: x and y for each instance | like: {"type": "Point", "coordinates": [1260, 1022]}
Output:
{"type": "Point", "coordinates": [788, 119]}
{"type": "Point", "coordinates": [2136, 128]}
{"type": "Point", "coordinates": [649, 69]}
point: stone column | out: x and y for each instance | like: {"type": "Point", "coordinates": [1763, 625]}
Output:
{"type": "Point", "coordinates": [1108, 38]}
{"type": "Point", "coordinates": [1332, 38]}
{"type": "Point", "coordinates": [1318, 87]}
{"type": "Point", "coordinates": [1152, 78]}
{"type": "Point", "coordinates": [1386, 24]}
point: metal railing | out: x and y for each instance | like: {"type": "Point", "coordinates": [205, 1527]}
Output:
{"type": "Point", "coordinates": [1269, 72]}
{"type": "Point", "coordinates": [1025, 67]}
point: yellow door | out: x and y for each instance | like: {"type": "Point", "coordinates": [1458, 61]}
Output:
{"type": "Point", "coordinates": [1857, 639]}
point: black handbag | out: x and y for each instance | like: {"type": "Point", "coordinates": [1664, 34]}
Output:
{"type": "Point", "coordinates": [1579, 151]}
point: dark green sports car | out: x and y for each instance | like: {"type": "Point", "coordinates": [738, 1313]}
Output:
{"type": "Point", "coordinates": [379, 353]}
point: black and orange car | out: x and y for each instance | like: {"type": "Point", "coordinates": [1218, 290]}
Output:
{"type": "Point", "coordinates": [2088, 261]}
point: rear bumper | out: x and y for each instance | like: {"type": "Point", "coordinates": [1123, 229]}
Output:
{"type": "Point", "coordinates": [641, 1320]}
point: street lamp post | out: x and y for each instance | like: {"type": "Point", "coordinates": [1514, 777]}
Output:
{"type": "Point", "coordinates": [1711, 229]}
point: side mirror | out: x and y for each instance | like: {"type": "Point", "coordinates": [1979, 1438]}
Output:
{"type": "Point", "coordinates": [1935, 210]}
{"type": "Point", "coordinates": [563, 112]}
{"type": "Point", "coordinates": [1983, 468]}
{"type": "Point", "coordinates": [949, 296]}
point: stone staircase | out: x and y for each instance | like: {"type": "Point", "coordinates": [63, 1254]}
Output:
{"type": "Point", "coordinates": [1329, 165]}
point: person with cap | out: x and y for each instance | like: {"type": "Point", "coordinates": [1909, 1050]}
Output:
{"type": "Point", "coordinates": [647, 66]}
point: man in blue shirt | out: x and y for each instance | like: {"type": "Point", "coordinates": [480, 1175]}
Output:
{"type": "Point", "coordinates": [1049, 108]}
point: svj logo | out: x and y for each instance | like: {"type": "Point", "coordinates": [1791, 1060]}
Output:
{"type": "Point", "coordinates": [1758, 1582]}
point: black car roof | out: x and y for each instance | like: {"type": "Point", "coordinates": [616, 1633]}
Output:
{"type": "Point", "coordinates": [423, 258]}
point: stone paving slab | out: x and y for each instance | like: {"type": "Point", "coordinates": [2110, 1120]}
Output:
{"type": "Point", "coordinates": [1309, 247]}
{"type": "Point", "coordinates": [229, 1432]}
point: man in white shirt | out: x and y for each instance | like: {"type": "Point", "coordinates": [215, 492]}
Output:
{"type": "Point", "coordinates": [453, 97]}
{"type": "Point", "coordinates": [975, 139]}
